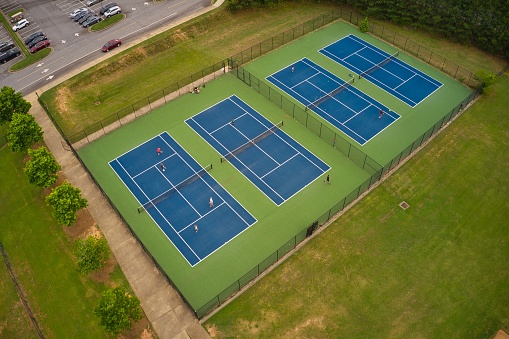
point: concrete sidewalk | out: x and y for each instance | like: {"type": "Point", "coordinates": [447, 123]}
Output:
{"type": "Point", "coordinates": [167, 312]}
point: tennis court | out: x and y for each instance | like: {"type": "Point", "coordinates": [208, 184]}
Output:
{"type": "Point", "coordinates": [175, 191]}
{"type": "Point", "coordinates": [274, 162]}
{"type": "Point", "coordinates": [341, 104]}
{"type": "Point", "coordinates": [383, 69]}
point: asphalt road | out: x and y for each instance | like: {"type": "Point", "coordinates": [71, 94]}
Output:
{"type": "Point", "coordinates": [74, 46]}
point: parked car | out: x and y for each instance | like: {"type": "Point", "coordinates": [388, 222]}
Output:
{"type": "Point", "coordinates": [111, 44]}
{"type": "Point", "coordinates": [36, 40]}
{"type": "Point", "coordinates": [77, 11]}
{"type": "Point", "coordinates": [112, 11]}
{"type": "Point", "coordinates": [80, 15]}
{"type": "Point", "coordinates": [91, 21]}
{"type": "Point", "coordinates": [85, 18]}
{"type": "Point", "coordinates": [40, 45]}
{"type": "Point", "coordinates": [10, 54]}
{"type": "Point", "coordinates": [32, 37]}
{"type": "Point", "coordinates": [5, 43]}
{"type": "Point", "coordinates": [93, 2]}
{"type": "Point", "coordinates": [106, 7]}
{"type": "Point", "coordinates": [6, 47]}
{"type": "Point", "coordinates": [20, 24]}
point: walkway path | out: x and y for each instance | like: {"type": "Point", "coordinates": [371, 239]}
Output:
{"type": "Point", "coordinates": [167, 312]}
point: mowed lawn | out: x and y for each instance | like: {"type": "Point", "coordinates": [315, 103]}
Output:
{"type": "Point", "coordinates": [437, 270]}
{"type": "Point", "coordinates": [40, 255]}
{"type": "Point", "coordinates": [166, 59]}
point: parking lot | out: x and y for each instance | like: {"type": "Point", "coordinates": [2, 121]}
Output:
{"type": "Point", "coordinates": [74, 45]}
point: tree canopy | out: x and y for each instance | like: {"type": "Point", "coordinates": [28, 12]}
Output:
{"type": "Point", "coordinates": [91, 254]}
{"type": "Point", "coordinates": [42, 167]}
{"type": "Point", "coordinates": [23, 132]}
{"type": "Point", "coordinates": [10, 103]}
{"type": "Point", "coordinates": [66, 201]}
{"type": "Point", "coordinates": [117, 309]}
{"type": "Point", "coordinates": [482, 23]}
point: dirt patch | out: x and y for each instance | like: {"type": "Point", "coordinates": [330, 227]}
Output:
{"type": "Point", "coordinates": [83, 227]}
{"type": "Point", "coordinates": [141, 329]}
{"type": "Point", "coordinates": [315, 322]}
{"type": "Point", "coordinates": [213, 331]}
{"type": "Point", "coordinates": [63, 100]}
{"type": "Point", "coordinates": [501, 335]}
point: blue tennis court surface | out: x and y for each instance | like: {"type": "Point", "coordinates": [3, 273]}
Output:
{"type": "Point", "coordinates": [275, 163]}
{"type": "Point", "coordinates": [395, 76]}
{"type": "Point", "coordinates": [341, 104]}
{"type": "Point", "coordinates": [175, 190]}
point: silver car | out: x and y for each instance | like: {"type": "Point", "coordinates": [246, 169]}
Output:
{"type": "Point", "coordinates": [93, 2]}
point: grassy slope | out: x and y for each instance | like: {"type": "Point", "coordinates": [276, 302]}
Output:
{"type": "Point", "coordinates": [439, 269]}
{"type": "Point", "coordinates": [40, 256]}
{"type": "Point", "coordinates": [133, 75]}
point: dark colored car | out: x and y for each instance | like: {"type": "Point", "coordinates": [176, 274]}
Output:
{"type": "Point", "coordinates": [80, 15]}
{"type": "Point", "coordinates": [106, 7]}
{"type": "Point", "coordinates": [6, 47]}
{"type": "Point", "coordinates": [111, 44]}
{"type": "Point", "coordinates": [10, 54]}
{"type": "Point", "coordinates": [85, 18]}
{"type": "Point", "coordinates": [36, 40]}
{"type": "Point", "coordinates": [40, 45]}
{"type": "Point", "coordinates": [32, 37]}
{"type": "Point", "coordinates": [92, 21]}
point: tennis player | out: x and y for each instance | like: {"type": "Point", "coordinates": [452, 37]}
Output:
{"type": "Point", "coordinates": [327, 180]}
{"type": "Point", "coordinates": [381, 114]}
{"type": "Point", "coordinates": [196, 228]}
{"type": "Point", "coordinates": [211, 202]}
{"type": "Point", "coordinates": [163, 167]}
{"type": "Point", "coordinates": [159, 151]}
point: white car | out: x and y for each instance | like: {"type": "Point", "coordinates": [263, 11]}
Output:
{"type": "Point", "coordinates": [77, 11]}
{"type": "Point", "coordinates": [112, 11]}
{"type": "Point", "coordinates": [20, 24]}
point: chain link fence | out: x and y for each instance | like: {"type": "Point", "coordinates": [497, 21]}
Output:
{"type": "Point", "coordinates": [341, 144]}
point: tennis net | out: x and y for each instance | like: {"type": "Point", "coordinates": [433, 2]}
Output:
{"type": "Point", "coordinates": [328, 96]}
{"type": "Point", "coordinates": [252, 142]}
{"type": "Point", "coordinates": [377, 66]}
{"type": "Point", "coordinates": [174, 189]}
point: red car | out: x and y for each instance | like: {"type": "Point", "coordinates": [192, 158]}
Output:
{"type": "Point", "coordinates": [111, 44]}
{"type": "Point", "coordinates": [40, 45]}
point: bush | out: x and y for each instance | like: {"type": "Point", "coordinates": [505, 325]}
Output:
{"type": "Point", "coordinates": [486, 79]}
{"type": "Point", "coordinates": [364, 25]}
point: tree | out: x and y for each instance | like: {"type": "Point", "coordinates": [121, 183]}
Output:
{"type": "Point", "coordinates": [117, 309]}
{"type": "Point", "coordinates": [66, 201]}
{"type": "Point", "coordinates": [42, 168]}
{"type": "Point", "coordinates": [486, 80]}
{"type": "Point", "coordinates": [23, 132]}
{"type": "Point", "coordinates": [364, 25]}
{"type": "Point", "coordinates": [91, 254]}
{"type": "Point", "coordinates": [10, 103]}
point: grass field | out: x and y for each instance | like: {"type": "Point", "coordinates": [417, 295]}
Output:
{"type": "Point", "coordinates": [438, 269]}
{"type": "Point", "coordinates": [40, 254]}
